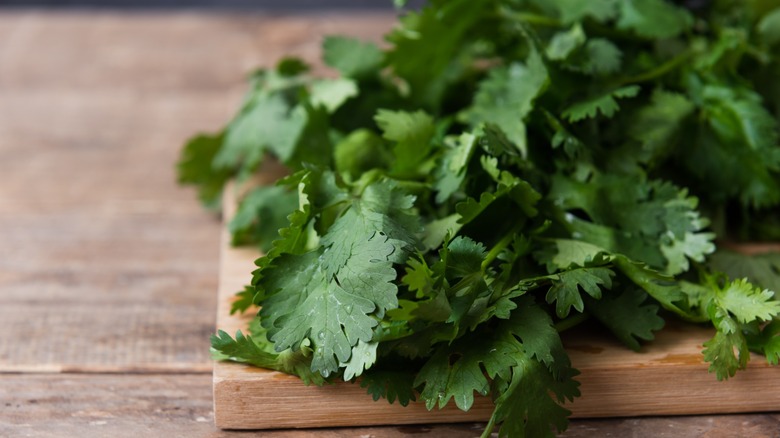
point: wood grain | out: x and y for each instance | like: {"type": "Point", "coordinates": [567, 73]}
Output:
{"type": "Point", "coordinates": [667, 377]}
{"type": "Point", "coordinates": [105, 263]}
{"type": "Point", "coordinates": [152, 405]}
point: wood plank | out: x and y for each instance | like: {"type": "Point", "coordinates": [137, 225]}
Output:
{"type": "Point", "coordinates": [668, 377]}
{"type": "Point", "coordinates": [106, 264]}
{"type": "Point", "coordinates": [141, 406]}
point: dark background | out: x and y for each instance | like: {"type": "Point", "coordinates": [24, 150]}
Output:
{"type": "Point", "coordinates": [277, 5]}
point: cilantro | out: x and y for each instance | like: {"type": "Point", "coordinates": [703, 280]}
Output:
{"type": "Point", "coordinates": [353, 58]}
{"type": "Point", "coordinates": [503, 170]}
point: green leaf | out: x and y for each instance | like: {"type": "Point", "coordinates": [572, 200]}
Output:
{"type": "Point", "coordinates": [451, 169]}
{"type": "Point", "coordinates": [304, 304]}
{"type": "Point", "coordinates": [657, 125]}
{"type": "Point", "coordinates": [195, 167]}
{"type": "Point", "coordinates": [428, 44]}
{"type": "Point", "coordinates": [382, 213]}
{"type": "Point", "coordinates": [332, 93]}
{"type": "Point", "coordinates": [604, 104]}
{"type": "Point", "coordinates": [627, 316]}
{"type": "Point", "coordinates": [769, 27]}
{"type": "Point", "coordinates": [261, 214]}
{"type": "Point", "coordinates": [520, 191]}
{"type": "Point", "coordinates": [245, 349]}
{"type": "Point", "coordinates": [653, 19]}
{"type": "Point", "coordinates": [767, 342]}
{"type": "Point", "coordinates": [534, 326]}
{"type": "Point", "coordinates": [747, 302]}
{"type": "Point", "coordinates": [597, 57]}
{"type": "Point", "coordinates": [506, 97]}
{"type": "Point", "coordinates": [760, 269]}
{"type": "Point", "coordinates": [574, 10]}
{"type": "Point", "coordinates": [527, 408]}
{"type": "Point", "coordinates": [458, 370]}
{"type": "Point", "coordinates": [563, 254]}
{"type": "Point", "coordinates": [390, 385]}
{"type": "Point", "coordinates": [352, 57]}
{"type": "Point", "coordinates": [363, 357]}
{"type": "Point", "coordinates": [269, 124]}
{"type": "Point", "coordinates": [649, 221]}
{"type": "Point", "coordinates": [361, 151]}
{"type": "Point", "coordinates": [462, 257]}
{"type": "Point", "coordinates": [565, 289]}
{"type": "Point", "coordinates": [419, 277]}
{"type": "Point", "coordinates": [662, 288]}
{"type": "Point", "coordinates": [412, 133]}
{"type": "Point", "coordinates": [332, 296]}
{"type": "Point", "coordinates": [564, 43]}
{"type": "Point", "coordinates": [727, 351]}
{"type": "Point", "coordinates": [736, 153]}
{"type": "Point", "coordinates": [244, 299]}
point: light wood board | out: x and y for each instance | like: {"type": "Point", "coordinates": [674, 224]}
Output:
{"type": "Point", "coordinates": [668, 377]}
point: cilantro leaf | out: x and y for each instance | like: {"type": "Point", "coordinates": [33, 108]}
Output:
{"type": "Point", "coordinates": [769, 27]}
{"type": "Point", "coordinates": [572, 10]}
{"type": "Point", "coordinates": [506, 96]}
{"type": "Point", "coordinates": [627, 316]}
{"type": "Point", "coordinates": [427, 45]}
{"type": "Point", "coordinates": [540, 340]}
{"type": "Point", "coordinates": [261, 214]}
{"type": "Point", "coordinates": [268, 123]}
{"type": "Point", "coordinates": [653, 18]}
{"type": "Point", "coordinates": [332, 93]}
{"type": "Point", "coordinates": [598, 57]}
{"type": "Point", "coordinates": [657, 125]}
{"type": "Point", "coordinates": [767, 342]}
{"type": "Point", "coordinates": [526, 406]}
{"type": "Point", "coordinates": [322, 296]}
{"type": "Point", "coordinates": [412, 133]}
{"type": "Point", "coordinates": [761, 269]}
{"type": "Point", "coordinates": [727, 351]}
{"type": "Point", "coordinates": [564, 43]}
{"type": "Point", "coordinates": [390, 385]}
{"type": "Point", "coordinates": [195, 167]}
{"type": "Point", "coordinates": [245, 349]}
{"type": "Point", "coordinates": [566, 285]}
{"type": "Point", "coordinates": [747, 302]}
{"type": "Point", "coordinates": [458, 370]}
{"type": "Point", "coordinates": [604, 104]}
{"type": "Point", "coordinates": [353, 58]}
{"type": "Point", "coordinates": [451, 169]}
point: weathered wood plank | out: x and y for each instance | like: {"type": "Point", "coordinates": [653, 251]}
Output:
{"type": "Point", "coordinates": [105, 263]}
{"type": "Point", "coordinates": [140, 406]}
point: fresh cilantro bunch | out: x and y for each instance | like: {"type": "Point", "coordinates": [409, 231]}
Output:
{"type": "Point", "coordinates": [505, 170]}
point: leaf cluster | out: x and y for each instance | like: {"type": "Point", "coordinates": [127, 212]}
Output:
{"type": "Point", "coordinates": [505, 170]}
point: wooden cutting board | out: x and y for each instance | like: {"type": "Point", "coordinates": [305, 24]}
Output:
{"type": "Point", "coordinates": [668, 377]}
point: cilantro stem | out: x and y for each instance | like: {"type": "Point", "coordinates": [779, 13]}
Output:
{"type": "Point", "coordinates": [660, 70]}
{"type": "Point", "coordinates": [563, 325]}
{"type": "Point", "coordinates": [500, 246]}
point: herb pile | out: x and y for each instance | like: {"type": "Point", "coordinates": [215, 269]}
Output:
{"type": "Point", "coordinates": [504, 170]}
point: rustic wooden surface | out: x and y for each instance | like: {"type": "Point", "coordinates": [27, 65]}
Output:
{"type": "Point", "coordinates": [108, 270]}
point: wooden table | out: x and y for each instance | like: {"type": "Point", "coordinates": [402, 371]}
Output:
{"type": "Point", "coordinates": [108, 270]}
